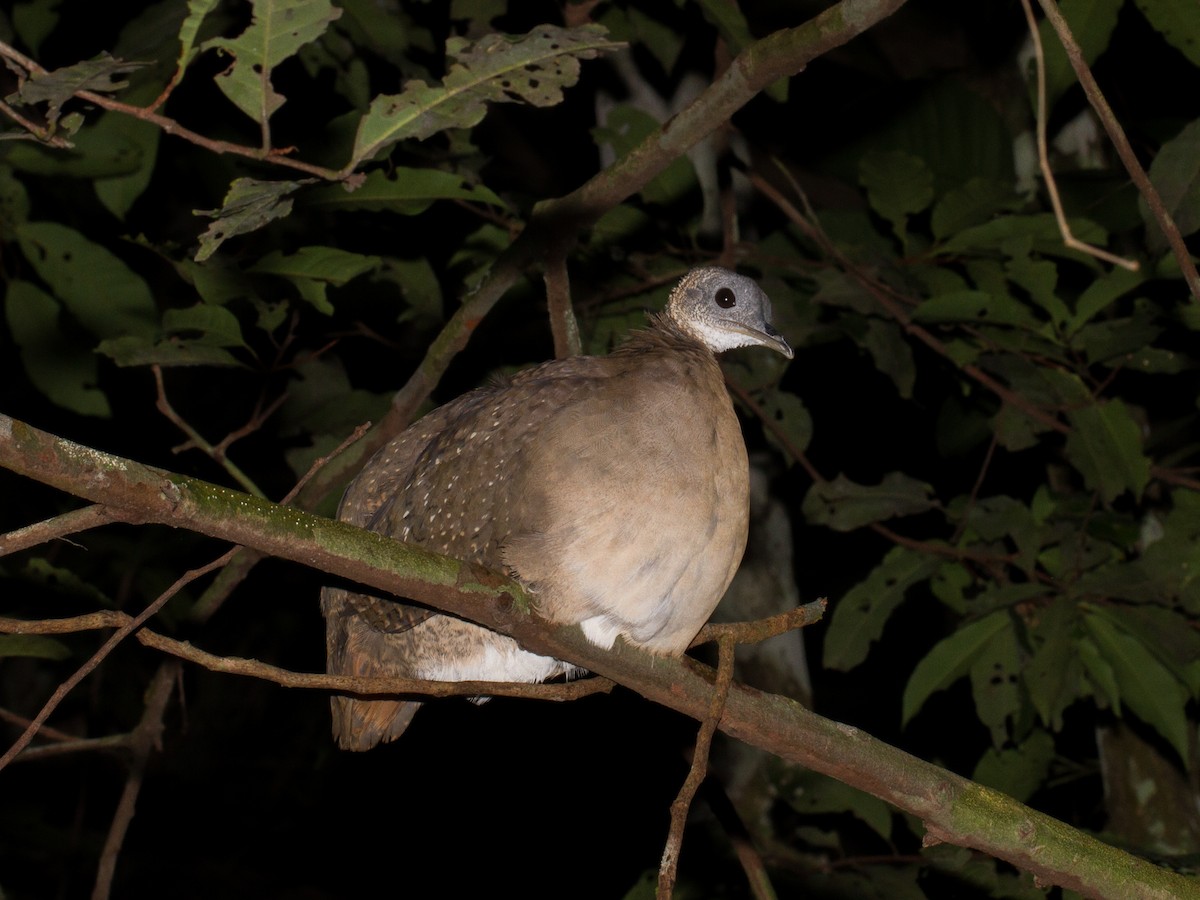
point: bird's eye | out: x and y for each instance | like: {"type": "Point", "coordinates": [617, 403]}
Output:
{"type": "Point", "coordinates": [725, 298]}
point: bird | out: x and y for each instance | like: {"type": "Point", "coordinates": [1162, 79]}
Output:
{"type": "Point", "coordinates": [614, 488]}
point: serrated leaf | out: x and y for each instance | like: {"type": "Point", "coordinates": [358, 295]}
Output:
{"type": "Point", "coordinates": [533, 68]}
{"type": "Point", "coordinates": [39, 646]}
{"type": "Point", "coordinates": [843, 505]}
{"type": "Point", "coordinates": [249, 205]}
{"type": "Point", "coordinates": [1145, 686]}
{"type": "Point", "coordinates": [105, 295]}
{"type": "Point", "coordinates": [402, 190]}
{"type": "Point", "coordinates": [1105, 445]}
{"type": "Point", "coordinates": [1175, 172]}
{"type": "Point", "coordinates": [1177, 22]}
{"type": "Point", "coordinates": [950, 659]}
{"type": "Point", "coordinates": [898, 185]}
{"type": "Point", "coordinates": [1052, 676]}
{"type": "Point", "coordinates": [858, 618]}
{"type": "Point", "coordinates": [971, 204]}
{"type": "Point", "coordinates": [279, 28]}
{"type": "Point", "coordinates": [63, 371]}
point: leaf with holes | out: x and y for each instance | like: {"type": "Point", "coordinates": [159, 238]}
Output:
{"type": "Point", "coordinates": [533, 68]}
{"type": "Point", "coordinates": [99, 75]}
{"type": "Point", "coordinates": [1177, 22]}
{"type": "Point", "coordinates": [789, 425]}
{"type": "Point", "coordinates": [279, 28]}
{"type": "Point", "coordinates": [994, 680]}
{"type": "Point", "coordinates": [401, 190]}
{"type": "Point", "coordinates": [950, 659]}
{"type": "Point", "coordinates": [842, 505]}
{"type": "Point", "coordinates": [249, 205]}
{"type": "Point", "coordinates": [858, 618]}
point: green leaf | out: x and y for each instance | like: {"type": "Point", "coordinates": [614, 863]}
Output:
{"type": "Point", "coordinates": [1018, 771]}
{"type": "Point", "coordinates": [970, 306]}
{"type": "Point", "coordinates": [99, 75]}
{"type": "Point", "coordinates": [217, 325]}
{"type": "Point", "coordinates": [843, 505]}
{"type": "Point", "coordinates": [188, 31]}
{"type": "Point", "coordinates": [1052, 678]}
{"type": "Point", "coordinates": [249, 205]}
{"type": "Point", "coordinates": [14, 202]}
{"type": "Point", "coordinates": [950, 659]}
{"type": "Point", "coordinates": [135, 350]}
{"type": "Point", "coordinates": [533, 68]}
{"type": "Point", "coordinates": [624, 129]}
{"type": "Point", "coordinates": [813, 794]}
{"type": "Point", "coordinates": [1102, 293]}
{"type": "Point", "coordinates": [103, 148]}
{"type": "Point", "coordinates": [327, 264]}
{"type": "Point", "coordinates": [859, 617]}
{"type": "Point", "coordinates": [1177, 22]}
{"type": "Point", "coordinates": [1105, 445]}
{"type": "Point", "coordinates": [892, 354]}
{"type": "Point", "coordinates": [63, 371]}
{"type": "Point", "coordinates": [1175, 172]}
{"type": "Point", "coordinates": [34, 21]}
{"type": "Point", "coordinates": [971, 204]}
{"type": "Point", "coordinates": [898, 185]}
{"type": "Point", "coordinates": [787, 413]}
{"type": "Point", "coordinates": [1092, 23]}
{"type": "Point", "coordinates": [995, 671]}
{"type": "Point", "coordinates": [1040, 229]}
{"type": "Point", "coordinates": [279, 28]}
{"type": "Point", "coordinates": [402, 190]}
{"type": "Point", "coordinates": [1144, 684]}
{"type": "Point", "coordinates": [39, 646]}
{"type": "Point", "coordinates": [103, 293]}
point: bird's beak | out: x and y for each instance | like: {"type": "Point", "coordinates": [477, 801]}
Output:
{"type": "Point", "coordinates": [776, 341]}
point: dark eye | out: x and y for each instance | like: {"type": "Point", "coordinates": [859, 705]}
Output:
{"type": "Point", "coordinates": [725, 298]}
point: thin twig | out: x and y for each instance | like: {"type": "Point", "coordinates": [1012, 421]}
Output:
{"type": "Point", "coordinates": [105, 649]}
{"type": "Point", "coordinates": [38, 131]}
{"type": "Point", "coordinates": [351, 684]}
{"type": "Point", "coordinates": [761, 629]}
{"type": "Point", "coordinates": [112, 743]}
{"type": "Point", "coordinates": [1060, 217]}
{"type": "Point", "coordinates": [1120, 142]}
{"type": "Point", "coordinates": [146, 738]}
{"type": "Point", "coordinates": [197, 440]}
{"type": "Point", "coordinates": [668, 868]}
{"type": "Point", "coordinates": [71, 522]}
{"type": "Point", "coordinates": [50, 734]}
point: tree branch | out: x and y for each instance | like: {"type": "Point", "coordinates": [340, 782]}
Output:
{"type": "Point", "coordinates": [953, 808]}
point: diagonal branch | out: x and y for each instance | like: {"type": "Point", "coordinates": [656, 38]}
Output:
{"type": "Point", "coordinates": [954, 809]}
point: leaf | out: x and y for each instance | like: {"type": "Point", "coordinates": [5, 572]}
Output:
{"type": "Point", "coordinates": [1040, 229]}
{"type": "Point", "coordinates": [63, 371]}
{"type": "Point", "coordinates": [624, 129]}
{"type": "Point", "coordinates": [950, 659]}
{"type": "Point", "coordinates": [893, 356]}
{"type": "Point", "coordinates": [99, 75]}
{"type": "Point", "coordinates": [533, 68]}
{"type": "Point", "coordinates": [279, 28]}
{"type": "Point", "coordinates": [789, 415]}
{"type": "Point", "coordinates": [217, 325]}
{"type": "Point", "coordinates": [1102, 293]}
{"type": "Point", "coordinates": [1092, 23]}
{"type": "Point", "coordinates": [842, 505]}
{"type": "Point", "coordinates": [1105, 445]}
{"type": "Point", "coordinates": [1018, 771]}
{"type": "Point", "coordinates": [188, 31]}
{"type": "Point", "coordinates": [134, 350]}
{"type": "Point", "coordinates": [39, 646]}
{"type": "Point", "coordinates": [811, 794]}
{"type": "Point", "coordinates": [311, 269]}
{"type": "Point", "coordinates": [1175, 172]}
{"type": "Point", "coordinates": [970, 204]}
{"type": "Point", "coordinates": [859, 617]}
{"type": "Point", "coordinates": [1177, 22]}
{"type": "Point", "coordinates": [898, 185]}
{"type": "Point", "coordinates": [1052, 676]}
{"type": "Point", "coordinates": [402, 190]}
{"type": "Point", "coordinates": [249, 205]}
{"type": "Point", "coordinates": [105, 295]}
{"type": "Point", "coordinates": [994, 679]}
{"type": "Point", "coordinates": [1145, 685]}
{"type": "Point", "coordinates": [975, 306]}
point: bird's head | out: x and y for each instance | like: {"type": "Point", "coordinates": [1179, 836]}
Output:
{"type": "Point", "coordinates": [724, 310]}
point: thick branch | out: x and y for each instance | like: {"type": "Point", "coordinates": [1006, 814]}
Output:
{"type": "Point", "coordinates": [953, 808]}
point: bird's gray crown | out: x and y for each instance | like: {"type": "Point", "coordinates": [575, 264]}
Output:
{"type": "Point", "coordinates": [724, 310]}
